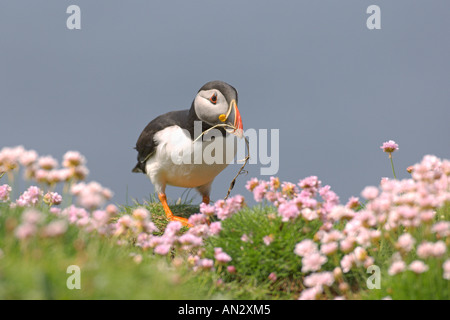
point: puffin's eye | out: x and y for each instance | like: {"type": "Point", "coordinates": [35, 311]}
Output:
{"type": "Point", "coordinates": [213, 98]}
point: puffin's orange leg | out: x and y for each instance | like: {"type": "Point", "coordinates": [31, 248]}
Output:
{"type": "Point", "coordinates": [206, 199]}
{"type": "Point", "coordinates": [162, 197]}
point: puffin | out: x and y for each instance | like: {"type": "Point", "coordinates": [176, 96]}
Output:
{"type": "Point", "coordinates": [172, 147]}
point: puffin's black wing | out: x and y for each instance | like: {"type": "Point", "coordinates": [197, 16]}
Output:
{"type": "Point", "coordinates": [146, 145]}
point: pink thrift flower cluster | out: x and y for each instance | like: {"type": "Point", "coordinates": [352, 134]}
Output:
{"type": "Point", "coordinates": [43, 169]}
{"type": "Point", "coordinates": [352, 235]}
{"type": "Point", "coordinates": [11, 158]}
{"type": "Point", "coordinates": [5, 190]}
{"type": "Point", "coordinates": [389, 146]}
{"type": "Point", "coordinates": [91, 195]}
{"type": "Point", "coordinates": [33, 224]}
{"type": "Point", "coordinates": [192, 240]}
{"type": "Point", "coordinates": [29, 198]}
{"type": "Point", "coordinates": [52, 198]}
{"type": "Point", "coordinates": [293, 201]}
{"type": "Point", "coordinates": [223, 208]}
{"type": "Point", "coordinates": [99, 221]}
{"type": "Point", "coordinates": [396, 205]}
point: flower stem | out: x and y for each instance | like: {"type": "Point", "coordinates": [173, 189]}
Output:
{"type": "Point", "coordinates": [392, 164]}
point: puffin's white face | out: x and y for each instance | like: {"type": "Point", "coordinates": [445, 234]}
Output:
{"type": "Point", "coordinates": [209, 105]}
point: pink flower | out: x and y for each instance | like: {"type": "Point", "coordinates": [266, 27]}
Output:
{"type": "Point", "coordinates": [305, 247]}
{"type": "Point", "coordinates": [112, 210]}
{"type": "Point", "coordinates": [329, 248]}
{"type": "Point", "coordinates": [225, 209]}
{"type": "Point", "coordinates": [340, 212]}
{"type": "Point", "coordinates": [47, 163]}
{"type": "Point", "coordinates": [347, 262]}
{"type": "Point", "coordinates": [272, 277]}
{"type": "Point", "coordinates": [439, 249]}
{"type": "Point", "coordinates": [418, 267]}
{"type": "Point", "coordinates": [5, 190]}
{"type": "Point", "coordinates": [55, 228]}
{"type": "Point", "coordinates": [205, 264]}
{"type": "Point", "coordinates": [360, 254]}
{"type": "Point", "coordinates": [207, 209]}
{"type": "Point", "coordinates": [313, 262]}
{"type": "Point", "coordinates": [429, 249]}
{"type": "Point", "coordinates": [197, 219]}
{"type": "Point", "coordinates": [446, 267]}
{"type": "Point", "coordinates": [73, 159]}
{"type": "Point", "coordinates": [141, 214]}
{"type": "Point", "coordinates": [330, 198]}
{"type": "Point", "coordinates": [101, 217]}
{"type": "Point", "coordinates": [190, 240]}
{"type": "Point", "coordinates": [309, 214]}
{"type": "Point", "coordinates": [311, 182]}
{"type": "Point", "coordinates": [311, 293]}
{"type": "Point", "coordinates": [319, 279]}
{"type": "Point", "coordinates": [231, 269]}
{"type": "Point", "coordinates": [347, 244]}
{"type": "Point", "coordinates": [25, 231]}
{"type": "Point", "coordinates": [271, 196]}
{"type": "Point", "coordinates": [288, 189]}
{"type": "Point", "coordinates": [288, 211]}
{"type": "Point", "coordinates": [370, 192]}
{"type": "Point", "coordinates": [52, 198]}
{"type": "Point", "coordinates": [252, 184]}
{"type": "Point", "coordinates": [92, 195]}
{"type": "Point", "coordinates": [28, 158]}
{"type": "Point", "coordinates": [389, 146]}
{"type": "Point", "coordinates": [397, 267]}
{"type": "Point", "coordinates": [268, 239]}
{"type": "Point", "coordinates": [274, 183]}
{"type": "Point", "coordinates": [9, 158]}
{"type": "Point", "coordinates": [260, 190]}
{"type": "Point", "coordinates": [29, 197]}
{"type": "Point", "coordinates": [220, 256]}
{"type": "Point", "coordinates": [79, 173]}
{"type": "Point", "coordinates": [215, 228]}
{"type": "Point", "coordinates": [172, 228]}
{"type": "Point", "coordinates": [245, 238]}
{"type": "Point", "coordinates": [353, 203]}
{"type": "Point", "coordinates": [162, 249]}
{"type": "Point", "coordinates": [405, 242]}
{"type": "Point", "coordinates": [55, 211]}
{"type": "Point", "coordinates": [441, 228]}
{"type": "Point", "coordinates": [125, 220]}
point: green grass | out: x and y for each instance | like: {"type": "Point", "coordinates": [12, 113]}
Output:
{"type": "Point", "coordinates": [36, 268]}
{"type": "Point", "coordinates": [254, 260]}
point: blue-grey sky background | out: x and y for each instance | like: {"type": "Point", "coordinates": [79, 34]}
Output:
{"type": "Point", "coordinates": [312, 69]}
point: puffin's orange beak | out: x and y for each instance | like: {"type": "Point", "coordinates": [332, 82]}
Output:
{"type": "Point", "coordinates": [239, 131]}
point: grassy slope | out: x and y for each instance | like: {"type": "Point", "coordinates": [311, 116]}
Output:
{"type": "Point", "coordinates": [36, 269]}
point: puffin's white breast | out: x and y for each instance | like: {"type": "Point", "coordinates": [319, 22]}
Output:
{"type": "Point", "coordinates": [180, 162]}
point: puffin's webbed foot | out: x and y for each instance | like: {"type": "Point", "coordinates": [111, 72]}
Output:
{"type": "Point", "coordinates": [162, 197]}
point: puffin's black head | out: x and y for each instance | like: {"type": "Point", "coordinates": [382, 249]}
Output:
{"type": "Point", "coordinates": [216, 103]}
